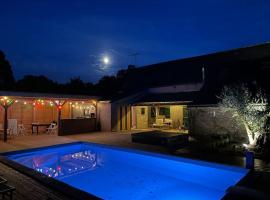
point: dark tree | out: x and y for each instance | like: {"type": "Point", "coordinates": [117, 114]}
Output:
{"type": "Point", "coordinates": [6, 75]}
{"type": "Point", "coordinates": [31, 83]}
{"type": "Point", "coordinates": [107, 86]}
{"type": "Point", "coordinates": [78, 86]}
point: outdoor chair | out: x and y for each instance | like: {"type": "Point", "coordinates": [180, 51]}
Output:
{"type": "Point", "coordinates": [6, 190]}
{"type": "Point", "coordinates": [52, 129]}
{"type": "Point", "coordinates": [10, 133]}
{"type": "Point", "coordinates": [21, 129]}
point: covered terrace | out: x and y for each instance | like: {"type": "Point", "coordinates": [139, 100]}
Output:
{"type": "Point", "coordinates": [24, 113]}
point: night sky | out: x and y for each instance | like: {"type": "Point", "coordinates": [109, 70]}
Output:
{"type": "Point", "coordinates": [64, 39]}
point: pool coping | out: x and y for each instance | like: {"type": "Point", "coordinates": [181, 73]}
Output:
{"type": "Point", "coordinates": [75, 193]}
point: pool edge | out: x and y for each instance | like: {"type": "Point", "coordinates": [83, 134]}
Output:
{"type": "Point", "coordinates": [80, 194]}
{"type": "Point", "coordinates": [65, 189]}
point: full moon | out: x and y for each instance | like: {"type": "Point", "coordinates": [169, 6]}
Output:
{"type": "Point", "coordinates": [106, 60]}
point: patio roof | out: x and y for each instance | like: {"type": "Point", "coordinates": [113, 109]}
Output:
{"type": "Point", "coordinates": [167, 98]}
{"type": "Point", "coordinates": [30, 95]}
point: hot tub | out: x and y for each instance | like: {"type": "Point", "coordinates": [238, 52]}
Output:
{"type": "Point", "coordinates": [115, 173]}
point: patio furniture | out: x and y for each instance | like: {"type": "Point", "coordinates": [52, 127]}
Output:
{"type": "Point", "coordinates": [35, 126]}
{"type": "Point", "coordinates": [9, 132]}
{"type": "Point", "coordinates": [21, 129]}
{"type": "Point", "coordinates": [52, 129]}
{"type": "Point", "coordinates": [6, 190]}
{"type": "Point", "coordinates": [167, 123]}
{"type": "Point", "coordinates": [13, 125]}
{"type": "Point", "coordinates": [159, 123]}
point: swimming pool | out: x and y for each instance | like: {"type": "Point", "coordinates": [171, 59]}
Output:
{"type": "Point", "coordinates": [116, 173]}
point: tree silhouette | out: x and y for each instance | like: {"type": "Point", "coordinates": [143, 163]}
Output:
{"type": "Point", "coordinates": [107, 86]}
{"type": "Point", "coordinates": [6, 75]}
{"type": "Point", "coordinates": [31, 83]}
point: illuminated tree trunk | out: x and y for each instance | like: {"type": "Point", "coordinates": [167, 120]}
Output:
{"type": "Point", "coordinates": [252, 137]}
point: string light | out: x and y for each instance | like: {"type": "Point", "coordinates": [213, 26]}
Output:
{"type": "Point", "coordinates": [58, 103]}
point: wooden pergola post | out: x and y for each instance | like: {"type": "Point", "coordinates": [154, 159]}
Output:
{"type": "Point", "coordinates": [6, 103]}
{"type": "Point", "coordinates": [59, 105]}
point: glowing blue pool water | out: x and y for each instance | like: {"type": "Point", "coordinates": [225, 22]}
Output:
{"type": "Point", "coordinates": [114, 173]}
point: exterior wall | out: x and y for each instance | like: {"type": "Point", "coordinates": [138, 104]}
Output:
{"type": "Point", "coordinates": [114, 115]}
{"type": "Point", "coordinates": [121, 117]}
{"type": "Point", "coordinates": [176, 112]}
{"type": "Point", "coordinates": [104, 115]}
{"type": "Point", "coordinates": [142, 119]}
{"type": "Point", "coordinates": [27, 114]}
{"type": "Point", "coordinates": [45, 114]}
{"type": "Point", "coordinates": [133, 117]}
{"type": "Point", "coordinates": [66, 111]}
{"type": "Point", "coordinates": [210, 120]}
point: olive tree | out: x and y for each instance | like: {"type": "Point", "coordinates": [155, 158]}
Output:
{"type": "Point", "coordinates": [249, 107]}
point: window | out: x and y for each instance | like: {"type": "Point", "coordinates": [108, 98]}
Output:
{"type": "Point", "coordinates": [142, 111]}
{"type": "Point", "coordinates": [165, 111]}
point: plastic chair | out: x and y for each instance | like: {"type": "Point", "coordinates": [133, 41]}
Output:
{"type": "Point", "coordinates": [21, 129]}
{"type": "Point", "coordinates": [52, 128]}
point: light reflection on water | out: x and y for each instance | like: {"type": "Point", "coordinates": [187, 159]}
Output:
{"type": "Point", "coordinates": [59, 166]}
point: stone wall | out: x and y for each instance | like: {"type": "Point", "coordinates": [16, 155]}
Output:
{"type": "Point", "coordinates": [211, 120]}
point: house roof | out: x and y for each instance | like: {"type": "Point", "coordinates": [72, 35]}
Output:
{"type": "Point", "coordinates": [243, 64]}
{"type": "Point", "coordinates": [163, 98]}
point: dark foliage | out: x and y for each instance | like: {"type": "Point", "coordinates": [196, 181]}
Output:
{"type": "Point", "coordinates": [108, 86]}
{"type": "Point", "coordinates": [6, 75]}
{"type": "Point", "coordinates": [36, 84]}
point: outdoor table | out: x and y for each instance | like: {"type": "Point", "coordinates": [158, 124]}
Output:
{"type": "Point", "coordinates": [37, 125]}
{"type": "Point", "coordinates": [2, 130]}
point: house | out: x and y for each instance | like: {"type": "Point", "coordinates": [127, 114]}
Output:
{"type": "Point", "coordinates": [182, 94]}
{"type": "Point", "coordinates": [177, 96]}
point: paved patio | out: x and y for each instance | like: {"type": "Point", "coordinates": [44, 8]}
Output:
{"type": "Point", "coordinates": [122, 139]}
{"type": "Point", "coordinates": [25, 185]}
